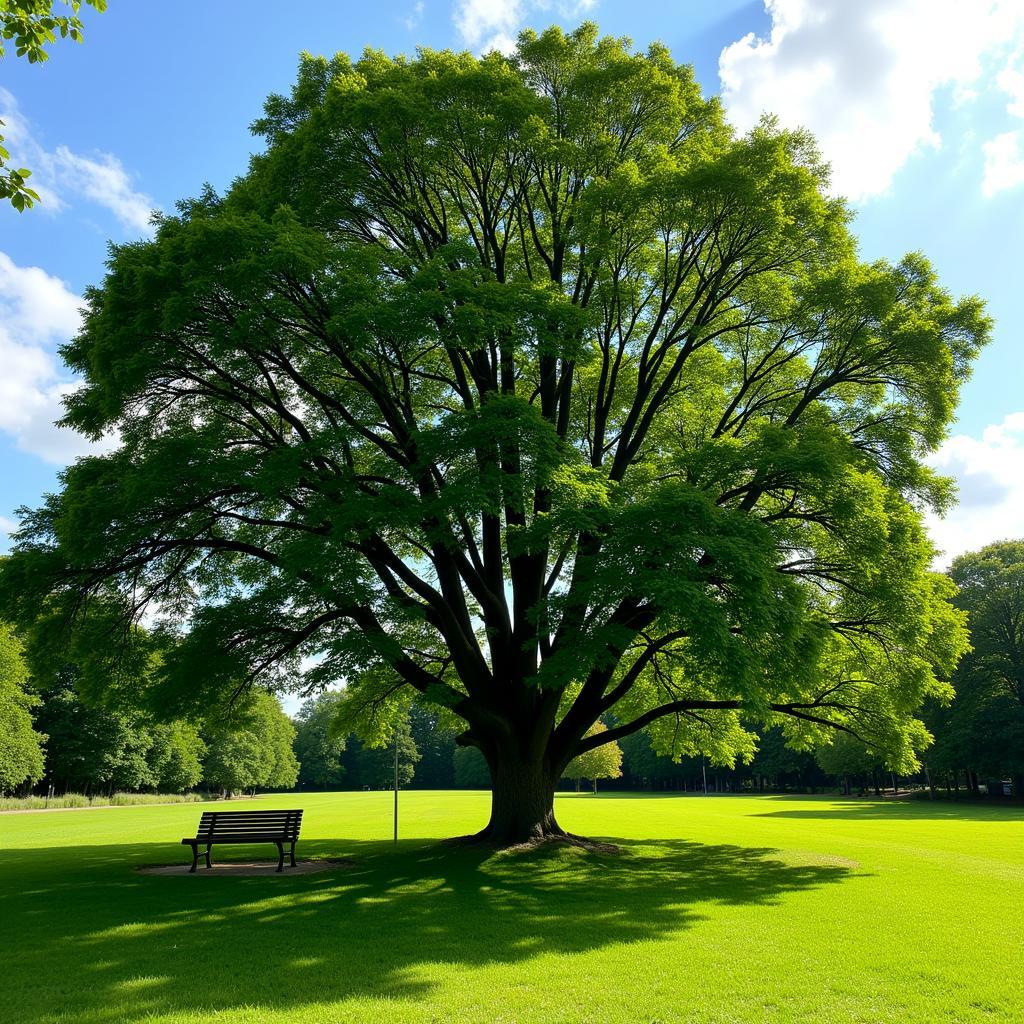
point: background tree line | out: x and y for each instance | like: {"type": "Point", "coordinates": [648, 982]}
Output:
{"type": "Point", "coordinates": [50, 735]}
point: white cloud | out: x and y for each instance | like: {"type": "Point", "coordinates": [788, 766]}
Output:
{"type": "Point", "coordinates": [37, 312]}
{"type": "Point", "coordinates": [61, 174]}
{"type": "Point", "coordinates": [487, 25]}
{"type": "Point", "coordinates": [1011, 81]}
{"type": "Point", "coordinates": [415, 16]}
{"type": "Point", "coordinates": [1004, 163]}
{"type": "Point", "coordinates": [863, 75]}
{"type": "Point", "coordinates": [990, 473]}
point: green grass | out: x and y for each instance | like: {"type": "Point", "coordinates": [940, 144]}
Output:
{"type": "Point", "coordinates": [719, 909]}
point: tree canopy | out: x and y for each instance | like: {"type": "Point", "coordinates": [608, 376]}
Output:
{"type": "Point", "coordinates": [253, 748]}
{"type": "Point", "coordinates": [21, 747]}
{"type": "Point", "coordinates": [983, 729]}
{"type": "Point", "coordinates": [604, 762]}
{"type": "Point", "coordinates": [525, 387]}
{"type": "Point", "coordinates": [317, 746]}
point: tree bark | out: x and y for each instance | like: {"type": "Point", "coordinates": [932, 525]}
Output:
{"type": "Point", "coordinates": [522, 802]}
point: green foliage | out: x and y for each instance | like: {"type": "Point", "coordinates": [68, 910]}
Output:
{"type": "Point", "coordinates": [846, 755]}
{"type": "Point", "coordinates": [92, 747]}
{"type": "Point", "coordinates": [604, 762]}
{"type": "Point", "coordinates": [436, 745]}
{"type": "Point", "coordinates": [372, 765]}
{"type": "Point", "coordinates": [252, 749]}
{"type": "Point", "coordinates": [176, 756]}
{"type": "Point", "coordinates": [317, 747]}
{"type": "Point", "coordinates": [33, 25]}
{"type": "Point", "coordinates": [990, 586]}
{"type": "Point", "coordinates": [983, 729]}
{"type": "Point", "coordinates": [470, 769]}
{"type": "Point", "coordinates": [527, 388]}
{"type": "Point", "coordinates": [21, 747]}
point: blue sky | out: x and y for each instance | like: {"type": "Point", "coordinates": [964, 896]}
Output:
{"type": "Point", "coordinates": [918, 103]}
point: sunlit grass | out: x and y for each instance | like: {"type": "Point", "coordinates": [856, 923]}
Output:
{"type": "Point", "coordinates": [718, 909]}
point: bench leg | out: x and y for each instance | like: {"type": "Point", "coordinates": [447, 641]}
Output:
{"type": "Point", "coordinates": [280, 856]}
{"type": "Point", "coordinates": [208, 864]}
{"type": "Point", "coordinates": [293, 855]}
{"type": "Point", "coordinates": [195, 858]}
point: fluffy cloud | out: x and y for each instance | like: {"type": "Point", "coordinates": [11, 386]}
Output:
{"type": "Point", "coordinates": [1004, 163]}
{"type": "Point", "coordinates": [1004, 154]}
{"type": "Point", "coordinates": [415, 16]}
{"type": "Point", "coordinates": [863, 76]}
{"type": "Point", "coordinates": [37, 312]}
{"type": "Point", "coordinates": [487, 25]}
{"type": "Point", "coordinates": [990, 473]}
{"type": "Point", "coordinates": [61, 174]}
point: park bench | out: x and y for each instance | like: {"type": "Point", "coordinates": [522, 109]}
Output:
{"type": "Point", "coordinates": [277, 827]}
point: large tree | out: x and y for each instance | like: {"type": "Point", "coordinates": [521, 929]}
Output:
{"type": "Point", "coordinates": [525, 387]}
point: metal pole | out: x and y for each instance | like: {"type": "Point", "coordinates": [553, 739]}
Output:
{"type": "Point", "coordinates": [704, 772]}
{"type": "Point", "coordinates": [396, 783]}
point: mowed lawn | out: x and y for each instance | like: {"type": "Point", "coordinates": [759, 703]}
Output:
{"type": "Point", "coordinates": [718, 909]}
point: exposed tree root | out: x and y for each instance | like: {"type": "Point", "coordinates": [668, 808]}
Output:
{"type": "Point", "coordinates": [559, 838]}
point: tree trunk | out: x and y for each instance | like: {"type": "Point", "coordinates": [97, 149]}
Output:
{"type": "Point", "coordinates": [931, 784]}
{"type": "Point", "coordinates": [522, 803]}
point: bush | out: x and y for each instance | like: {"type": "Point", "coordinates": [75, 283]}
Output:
{"type": "Point", "coordinates": [69, 800]}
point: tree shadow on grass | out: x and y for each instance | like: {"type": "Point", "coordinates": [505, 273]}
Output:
{"type": "Point", "coordinates": [96, 941]}
{"type": "Point", "coordinates": [898, 810]}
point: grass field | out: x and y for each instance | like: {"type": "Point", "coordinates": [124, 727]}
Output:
{"type": "Point", "coordinates": [718, 909]}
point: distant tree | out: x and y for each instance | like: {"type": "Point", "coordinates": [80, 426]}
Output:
{"type": "Point", "coordinates": [252, 749]}
{"type": "Point", "coordinates": [317, 746]}
{"type": "Point", "coordinates": [32, 26]}
{"type": "Point", "coordinates": [92, 747]}
{"type": "Point", "coordinates": [847, 757]}
{"type": "Point", "coordinates": [375, 763]}
{"type": "Point", "coordinates": [236, 761]}
{"type": "Point", "coordinates": [435, 741]}
{"type": "Point", "coordinates": [780, 765]}
{"type": "Point", "coordinates": [175, 756]}
{"type": "Point", "coordinates": [604, 762]}
{"type": "Point", "coordinates": [987, 717]}
{"type": "Point", "coordinates": [645, 768]}
{"type": "Point", "coordinates": [283, 772]}
{"type": "Point", "coordinates": [21, 746]}
{"type": "Point", "coordinates": [469, 769]}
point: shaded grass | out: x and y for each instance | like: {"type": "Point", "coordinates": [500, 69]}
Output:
{"type": "Point", "coordinates": [718, 909]}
